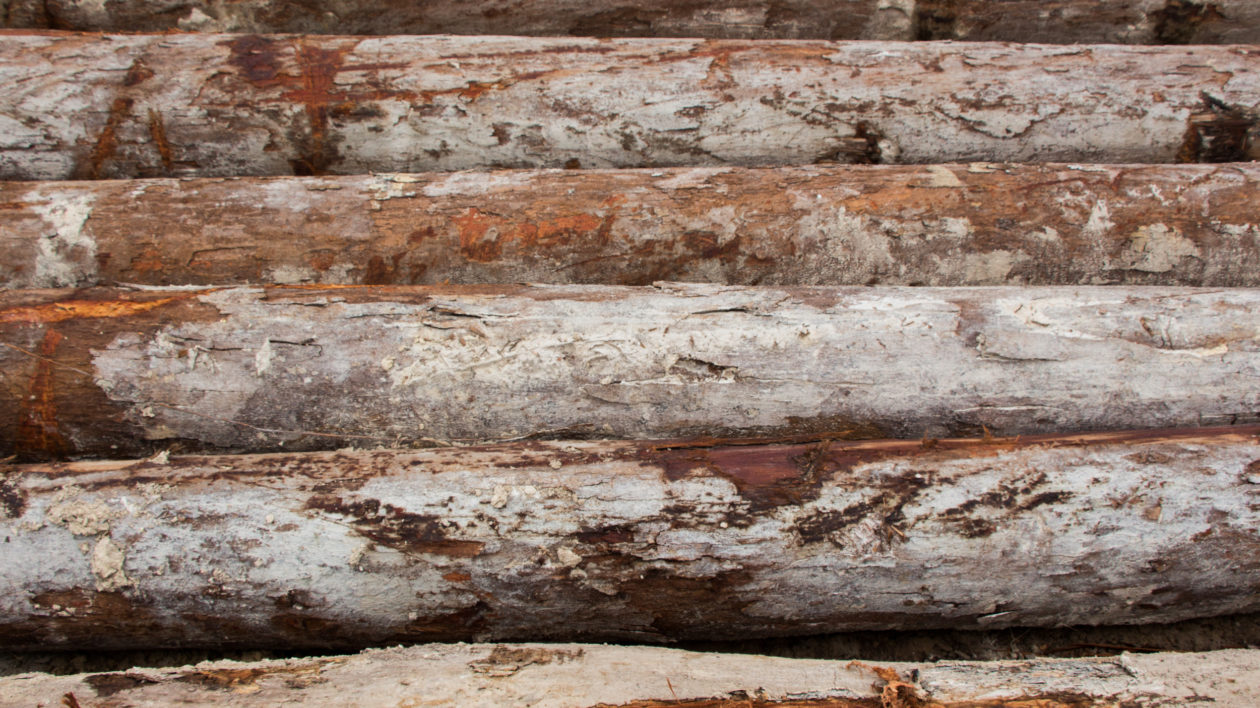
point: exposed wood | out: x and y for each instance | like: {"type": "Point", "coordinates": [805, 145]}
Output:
{"type": "Point", "coordinates": [585, 676]}
{"type": "Point", "coordinates": [1055, 21]}
{"type": "Point", "coordinates": [979, 224]}
{"type": "Point", "coordinates": [120, 372]}
{"type": "Point", "coordinates": [90, 106]}
{"type": "Point", "coordinates": [630, 541]}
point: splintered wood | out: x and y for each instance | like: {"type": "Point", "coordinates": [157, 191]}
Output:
{"type": "Point", "coordinates": [631, 541]}
{"type": "Point", "coordinates": [117, 372]}
{"type": "Point", "coordinates": [80, 106]}
{"type": "Point", "coordinates": [978, 224]}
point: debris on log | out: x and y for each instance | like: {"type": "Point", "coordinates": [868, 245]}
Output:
{"type": "Point", "coordinates": [1057, 21]}
{"type": "Point", "coordinates": [596, 676]}
{"type": "Point", "coordinates": [91, 106]}
{"type": "Point", "coordinates": [978, 224]}
{"type": "Point", "coordinates": [126, 372]}
{"type": "Point", "coordinates": [637, 541]}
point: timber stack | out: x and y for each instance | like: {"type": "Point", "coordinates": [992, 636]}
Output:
{"type": "Point", "coordinates": [328, 326]}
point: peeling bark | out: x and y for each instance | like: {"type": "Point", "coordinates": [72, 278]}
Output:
{"type": "Point", "coordinates": [88, 106]}
{"type": "Point", "coordinates": [979, 224]}
{"type": "Point", "coordinates": [1054, 21]}
{"type": "Point", "coordinates": [118, 372]}
{"type": "Point", "coordinates": [633, 541]}
{"type": "Point", "coordinates": [585, 676]}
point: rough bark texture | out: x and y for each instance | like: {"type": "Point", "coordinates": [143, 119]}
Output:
{"type": "Point", "coordinates": [979, 224]}
{"type": "Point", "coordinates": [89, 106]}
{"type": "Point", "coordinates": [631, 541]}
{"type": "Point", "coordinates": [1055, 21]}
{"type": "Point", "coordinates": [586, 676]}
{"type": "Point", "coordinates": [119, 372]}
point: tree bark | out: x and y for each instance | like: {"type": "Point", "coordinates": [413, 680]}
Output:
{"type": "Point", "coordinates": [82, 106]}
{"type": "Point", "coordinates": [1052, 21]}
{"type": "Point", "coordinates": [117, 372]}
{"type": "Point", "coordinates": [617, 541]}
{"type": "Point", "coordinates": [979, 224]}
{"type": "Point", "coordinates": [586, 676]}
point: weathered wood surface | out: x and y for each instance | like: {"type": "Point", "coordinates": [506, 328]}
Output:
{"type": "Point", "coordinates": [1056, 21]}
{"type": "Point", "coordinates": [587, 676]}
{"type": "Point", "coordinates": [121, 372]}
{"type": "Point", "coordinates": [631, 541]}
{"type": "Point", "coordinates": [90, 106]}
{"type": "Point", "coordinates": [979, 224]}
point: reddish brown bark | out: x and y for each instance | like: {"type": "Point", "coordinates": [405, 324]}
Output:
{"type": "Point", "coordinates": [978, 224]}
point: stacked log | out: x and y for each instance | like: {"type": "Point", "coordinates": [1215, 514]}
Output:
{"type": "Point", "coordinates": [117, 372]}
{"type": "Point", "coordinates": [589, 676]}
{"type": "Point", "coordinates": [88, 106]}
{"type": "Point", "coordinates": [1054, 21]}
{"type": "Point", "coordinates": [623, 541]}
{"type": "Point", "coordinates": [951, 225]}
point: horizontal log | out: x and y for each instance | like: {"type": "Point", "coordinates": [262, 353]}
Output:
{"type": "Point", "coordinates": [1057, 21]}
{"type": "Point", "coordinates": [118, 372]}
{"type": "Point", "coordinates": [631, 541]}
{"type": "Point", "coordinates": [586, 676]}
{"type": "Point", "coordinates": [90, 106]}
{"type": "Point", "coordinates": [979, 224]}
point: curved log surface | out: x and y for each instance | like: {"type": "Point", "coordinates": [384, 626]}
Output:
{"type": "Point", "coordinates": [631, 541]}
{"type": "Point", "coordinates": [119, 372]}
{"type": "Point", "coordinates": [590, 676]}
{"type": "Point", "coordinates": [978, 224]}
{"type": "Point", "coordinates": [1053, 21]}
{"type": "Point", "coordinates": [91, 106]}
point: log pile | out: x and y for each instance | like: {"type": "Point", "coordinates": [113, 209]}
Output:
{"type": "Point", "coordinates": [652, 322]}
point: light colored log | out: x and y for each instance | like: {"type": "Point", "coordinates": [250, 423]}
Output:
{"type": "Point", "coordinates": [117, 372]}
{"type": "Point", "coordinates": [978, 224]}
{"type": "Point", "coordinates": [1055, 21]}
{"type": "Point", "coordinates": [631, 541]}
{"type": "Point", "coordinates": [90, 106]}
{"type": "Point", "coordinates": [586, 676]}
{"type": "Point", "coordinates": [120, 372]}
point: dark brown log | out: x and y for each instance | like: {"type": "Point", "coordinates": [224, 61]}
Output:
{"type": "Point", "coordinates": [630, 541]}
{"type": "Point", "coordinates": [119, 372]}
{"type": "Point", "coordinates": [600, 676]}
{"type": "Point", "coordinates": [79, 106]}
{"type": "Point", "coordinates": [1054, 21]}
{"type": "Point", "coordinates": [979, 224]}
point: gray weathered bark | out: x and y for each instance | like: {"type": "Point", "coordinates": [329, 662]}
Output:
{"type": "Point", "coordinates": [78, 106]}
{"type": "Point", "coordinates": [119, 372]}
{"type": "Point", "coordinates": [584, 676]}
{"type": "Point", "coordinates": [1055, 21]}
{"type": "Point", "coordinates": [979, 224]}
{"type": "Point", "coordinates": [623, 540]}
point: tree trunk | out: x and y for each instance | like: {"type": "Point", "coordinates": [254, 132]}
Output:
{"type": "Point", "coordinates": [631, 541]}
{"type": "Point", "coordinates": [80, 106]}
{"type": "Point", "coordinates": [1054, 21]}
{"type": "Point", "coordinates": [980, 224]}
{"type": "Point", "coordinates": [589, 676]}
{"type": "Point", "coordinates": [116, 372]}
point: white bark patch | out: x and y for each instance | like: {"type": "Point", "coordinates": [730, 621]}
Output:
{"type": "Point", "coordinates": [67, 255]}
{"type": "Point", "coordinates": [1157, 248]}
